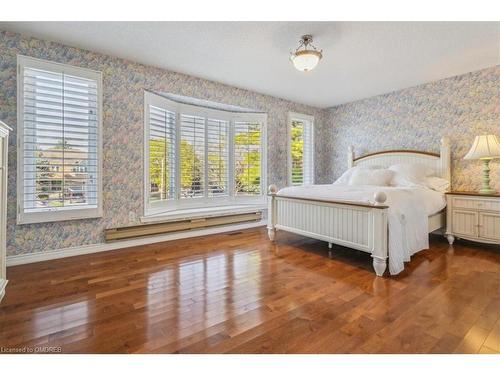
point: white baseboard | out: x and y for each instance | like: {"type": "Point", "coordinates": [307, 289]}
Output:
{"type": "Point", "coordinates": [14, 260]}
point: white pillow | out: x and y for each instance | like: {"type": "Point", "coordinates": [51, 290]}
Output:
{"type": "Point", "coordinates": [414, 173]}
{"type": "Point", "coordinates": [377, 177]}
{"type": "Point", "coordinates": [346, 176]}
{"type": "Point", "coordinates": [400, 181]}
{"type": "Point", "coordinates": [438, 184]}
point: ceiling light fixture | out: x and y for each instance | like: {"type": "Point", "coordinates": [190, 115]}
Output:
{"type": "Point", "coordinates": [305, 59]}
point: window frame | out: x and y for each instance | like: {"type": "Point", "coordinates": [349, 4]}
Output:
{"type": "Point", "coordinates": [56, 214]}
{"type": "Point", "coordinates": [304, 118]}
{"type": "Point", "coordinates": [173, 206]}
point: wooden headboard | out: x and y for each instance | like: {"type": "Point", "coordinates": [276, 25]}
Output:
{"type": "Point", "coordinates": [439, 163]}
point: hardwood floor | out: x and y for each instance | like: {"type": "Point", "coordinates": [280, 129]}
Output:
{"type": "Point", "coordinates": [239, 293]}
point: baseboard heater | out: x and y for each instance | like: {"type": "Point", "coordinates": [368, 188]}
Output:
{"type": "Point", "coordinates": [135, 231]}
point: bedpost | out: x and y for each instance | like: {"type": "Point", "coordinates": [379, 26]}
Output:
{"type": "Point", "coordinates": [271, 212]}
{"type": "Point", "coordinates": [380, 198]}
{"type": "Point", "coordinates": [445, 159]}
{"type": "Point", "coordinates": [380, 234]}
{"type": "Point", "coordinates": [350, 157]}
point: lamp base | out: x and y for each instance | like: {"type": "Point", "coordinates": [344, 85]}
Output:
{"type": "Point", "coordinates": [487, 191]}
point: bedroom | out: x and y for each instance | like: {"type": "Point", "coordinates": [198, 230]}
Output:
{"type": "Point", "coordinates": [311, 187]}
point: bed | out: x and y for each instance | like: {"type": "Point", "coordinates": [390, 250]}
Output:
{"type": "Point", "coordinates": [364, 218]}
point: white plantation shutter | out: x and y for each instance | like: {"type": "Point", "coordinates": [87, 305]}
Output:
{"type": "Point", "coordinates": [162, 160]}
{"type": "Point", "coordinates": [218, 157]}
{"type": "Point", "coordinates": [192, 157]}
{"type": "Point", "coordinates": [60, 130]}
{"type": "Point", "coordinates": [247, 157]}
{"type": "Point", "coordinates": [308, 152]}
{"type": "Point", "coordinates": [301, 152]}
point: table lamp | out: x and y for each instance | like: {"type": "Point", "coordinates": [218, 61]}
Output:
{"type": "Point", "coordinates": [485, 148]}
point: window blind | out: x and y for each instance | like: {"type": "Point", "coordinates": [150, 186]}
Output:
{"type": "Point", "coordinates": [247, 156]}
{"type": "Point", "coordinates": [301, 149]}
{"type": "Point", "coordinates": [218, 157]}
{"type": "Point", "coordinates": [192, 153]}
{"type": "Point", "coordinates": [162, 161]}
{"type": "Point", "coordinates": [60, 141]}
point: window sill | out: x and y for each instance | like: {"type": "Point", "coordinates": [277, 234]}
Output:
{"type": "Point", "coordinates": [48, 216]}
{"type": "Point", "coordinates": [196, 213]}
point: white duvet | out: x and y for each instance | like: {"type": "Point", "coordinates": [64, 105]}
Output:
{"type": "Point", "coordinates": [408, 213]}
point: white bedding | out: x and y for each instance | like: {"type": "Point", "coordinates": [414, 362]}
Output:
{"type": "Point", "coordinates": [409, 209]}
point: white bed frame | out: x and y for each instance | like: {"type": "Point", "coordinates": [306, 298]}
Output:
{"type": "Point", "coordinates": [361, 226]}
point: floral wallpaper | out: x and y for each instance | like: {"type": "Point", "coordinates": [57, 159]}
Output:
{"type": "Point", "coordinates": [123, 85]}
{"type": "Point", "coordinates": [459, 107]}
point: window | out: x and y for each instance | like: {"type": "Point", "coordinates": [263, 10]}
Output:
{"type": "Point", "coordinates": [192, 155]}
{"type": "Point", "coordinates": [247, 144]}
{"type": "Point", "coordinates": [59, 142]}
{"type": "Point", "coordinates": [199, 157]}
{"type": "Point", "coordinates": [161, 153]}
{"type": "Point", "coordinates": [218, 158]}
{"type": "Point", "coordinates": [301, 149]}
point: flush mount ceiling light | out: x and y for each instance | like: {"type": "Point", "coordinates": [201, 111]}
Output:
{"type": "Point", "coordinates": [304, 58]}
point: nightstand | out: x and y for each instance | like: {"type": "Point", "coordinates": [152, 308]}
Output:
{"type": "Point", "coordinates": [473, 216]}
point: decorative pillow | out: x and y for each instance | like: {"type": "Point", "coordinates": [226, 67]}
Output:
{"type": "Point", "coordinates": [438, 184]}
{"type": "Point", "coordinates": [377, 177]}
{"type": "Point", "coordinates": [415, 173]}
{"type": "Point", "coordinates": [346, 176]}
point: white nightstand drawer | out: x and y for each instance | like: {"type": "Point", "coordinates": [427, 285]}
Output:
{"type": "Point", "coordinates": [476, 203]}
{"type": "Point", "coordinates": [461, 202]}
{"type": "Point", "coordinates": [489, 205]}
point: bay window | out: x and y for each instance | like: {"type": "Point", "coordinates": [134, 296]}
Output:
{"type": "Point", "coordinates": [199, 157]}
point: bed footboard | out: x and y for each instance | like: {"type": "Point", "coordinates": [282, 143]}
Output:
{"type": "Point", "coordinates": [355, 225]}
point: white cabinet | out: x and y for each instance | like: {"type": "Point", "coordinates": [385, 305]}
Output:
{"type": "Point", "coordinates": [489, 225]}
{"type": "Point", "coordinates": [464, 223]}
{"type": "Point", "coordinates": [473, 216]}
{"type": "Point", "coordinates": [4, 145]}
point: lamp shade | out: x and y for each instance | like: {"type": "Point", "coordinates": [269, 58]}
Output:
{"type": "Point", "coordinates": [484, 147]}
{"type": "Point", "coordinates": [306, 60]}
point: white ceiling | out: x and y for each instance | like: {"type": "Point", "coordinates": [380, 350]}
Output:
{"type": "Point", "coordinates": [360, 59]}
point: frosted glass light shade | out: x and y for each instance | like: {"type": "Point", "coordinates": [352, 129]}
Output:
{"type": "Point", "coordinates": [306, 60]}
{"type": "Point", "coordinates": [484, 147]}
